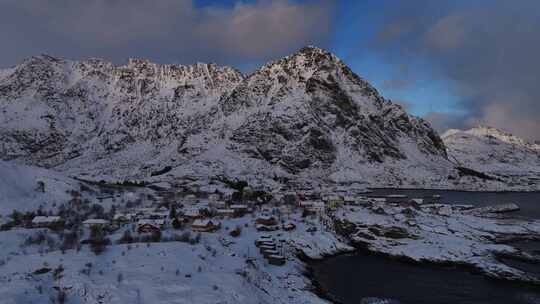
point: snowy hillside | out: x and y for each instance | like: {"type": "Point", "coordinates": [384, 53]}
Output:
{"type": "Point", "coordinates": [26, 188]}
{"type": "Point", "coordinates": [493, 151]}
{"type": "Point", "coordinates": [306, 117]}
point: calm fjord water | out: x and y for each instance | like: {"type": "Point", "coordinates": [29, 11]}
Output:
{"type": "Point", "coordinates": [352, 278]}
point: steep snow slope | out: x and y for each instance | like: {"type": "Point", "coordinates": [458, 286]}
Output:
{"type": "Point", "coordinates": [306, 117]}
{"type": "Point", "coordinates": [493, 151]}
{"type": "Point", "coordinates": [20, 187]}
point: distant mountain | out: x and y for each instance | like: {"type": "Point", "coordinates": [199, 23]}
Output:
{"type": "Point", "coordinates": [494, 151]}
{"type": "Point", "coordinates": [306, 117]}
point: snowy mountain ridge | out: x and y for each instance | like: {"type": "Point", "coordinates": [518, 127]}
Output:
{"type": "Point", "coordinates": [491, 132]}
{"type": "Point", "coordinates": [491, 150]}
{"type": "Point", "coordinates": [305, 117]}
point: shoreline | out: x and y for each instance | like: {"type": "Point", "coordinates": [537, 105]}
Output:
{"type": "Point", "coordinates": [361, 250]}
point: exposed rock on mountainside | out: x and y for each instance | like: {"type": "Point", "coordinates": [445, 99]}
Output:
{"type": "Point", "coordinates": [304, 116]}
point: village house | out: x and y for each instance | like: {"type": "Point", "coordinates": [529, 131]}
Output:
{"type": "Point", "coordinates": [317, 207]}
{"type": "Point", "coordinates": [239, 209]}
{"type": "Point", "coordinates": [225, 212]}
{"type": "Point", "coordinates": [192, 213]}
{"type": "Point", "coordinates": [47, 221]}
{"type": "Point", "coordinates": [99, 223]}
{"type": "Point", "coordinates": [289, 226]}
{"type": "Point", "coordinates": [124, 217]}
{"type": "Point", "coordinates": [143, 212]}
{"type": "Point", "coordinates": [305, 204]}
{"type": "Point", "coordinates": [333, 200]}
{"type": "Point", "coordinates": [157, 215]}
{"type": "Point", "coordinates": [190, 199]}
{"type": "Point", "coordinates": [217, 204]}
{"type": "Point", "coordinates": [276, 259]}
{"type": "Point", "coordinates": [268, 252]}
{"type": "Point", "coordinates": [290, 198]}
{"type": "Point", "coordinates": [205, 225]}
{"type": "Point", "coordinates": [264, 238]}
{"type": "Point", "coordinates": [349, 200]}
{"type": "Point", "coordinates": [149, 226]}
{"type": "Point", "coordinates": [214, 197]}
{"type": "Point", "coordinates": [266, 220]}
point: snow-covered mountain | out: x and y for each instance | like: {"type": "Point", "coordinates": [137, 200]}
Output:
{"type": "Point", "coordinates": [306, 116]}
{"type": "Point", "coordinates": [493, 151]}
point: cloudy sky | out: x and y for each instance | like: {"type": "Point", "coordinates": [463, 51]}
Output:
{"type": "Point", "coordinates": [457, 63]}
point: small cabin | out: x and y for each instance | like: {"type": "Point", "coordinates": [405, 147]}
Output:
{"type": "Point", "coordinates": [149, 226]}
{"type": "Point", "coordinates": [205, 225]}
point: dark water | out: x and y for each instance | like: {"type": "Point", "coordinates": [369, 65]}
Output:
{"type": "Point", "coordinates": [351, 278]}
{"type": "Point", "coordinates": [529, 202]}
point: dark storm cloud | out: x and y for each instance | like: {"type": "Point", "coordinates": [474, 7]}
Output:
{"type": "Point", "coordinates": [164, 30]}
{"type": "Point", "coordinates": [490, 49]}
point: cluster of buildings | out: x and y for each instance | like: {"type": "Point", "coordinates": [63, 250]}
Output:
{"type": "Point", "coordinates": [271, 249]}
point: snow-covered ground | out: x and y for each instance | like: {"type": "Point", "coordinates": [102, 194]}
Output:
{"type": "Point", "coordinates": [221, 268]}
{"type": "Point", "coordinates": [218, 269]}
{"type": "Point", "coordinates": [26, 187]}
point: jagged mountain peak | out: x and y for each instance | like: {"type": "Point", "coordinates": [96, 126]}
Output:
{"type": "Point", "coordinates": [304, 112]}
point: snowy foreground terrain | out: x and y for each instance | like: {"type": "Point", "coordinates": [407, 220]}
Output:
{"type": "Point", "coordinates": [182, 265]}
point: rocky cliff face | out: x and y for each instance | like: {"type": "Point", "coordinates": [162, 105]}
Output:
{"type": "Point", "coordinates": [307, 113]}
